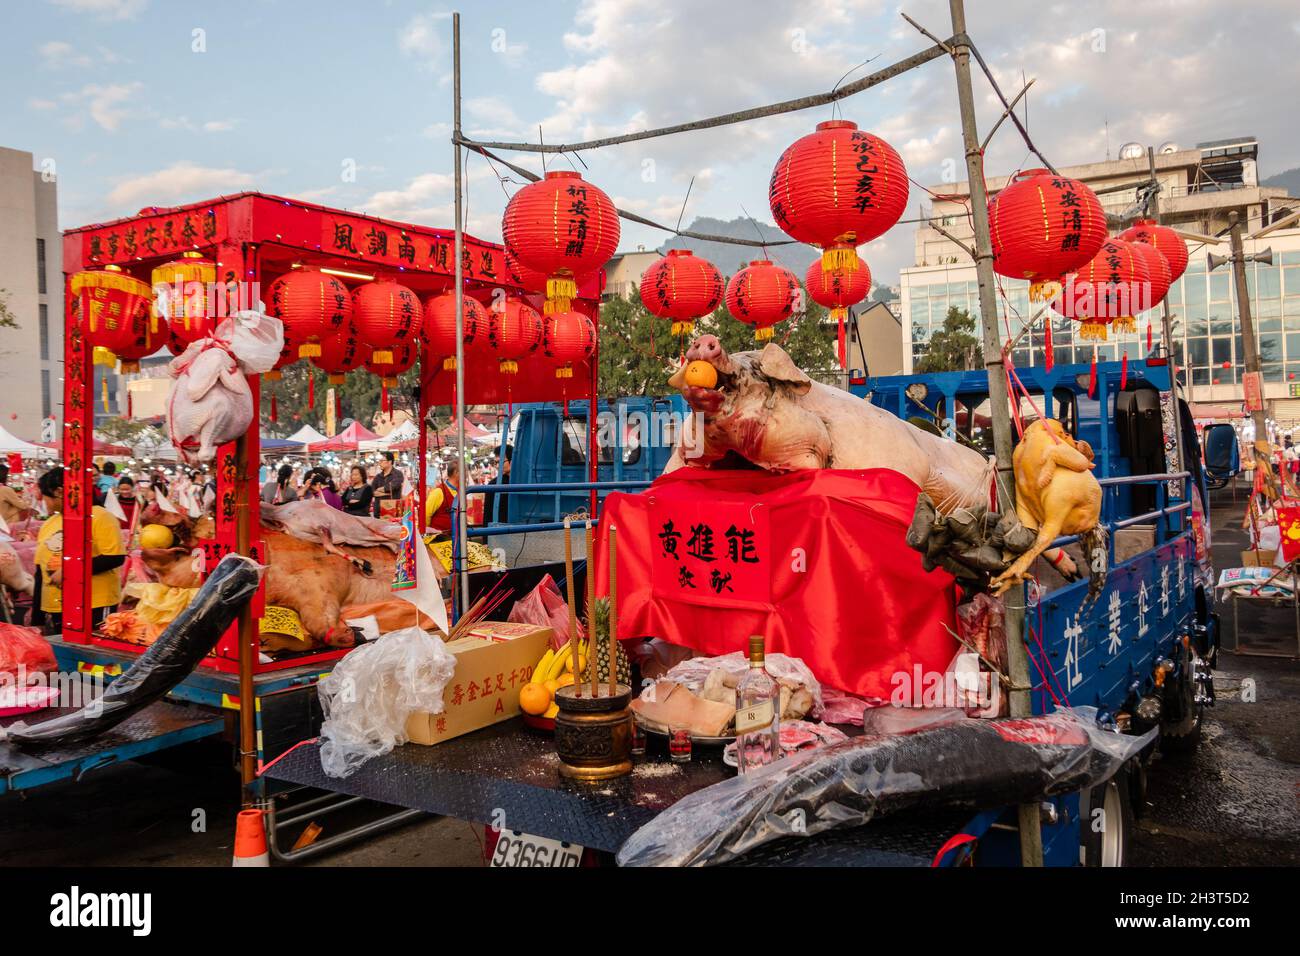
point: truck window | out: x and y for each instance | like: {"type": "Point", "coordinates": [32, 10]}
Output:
{"type": "Point", "coordinates": [573, 446]}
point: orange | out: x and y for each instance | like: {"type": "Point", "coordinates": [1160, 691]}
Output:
{"type": "Point", "coordinates": [551, 685]}
{"type": "Point", "coordinates": [564, 680]}
{"type": "Point", "coordinates": [534, 699]}
{"type": "Point", "coordinates": [701, 375]}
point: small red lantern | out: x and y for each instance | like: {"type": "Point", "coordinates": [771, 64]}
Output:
{"type": "Point", "coordinates": [117, 311]}
{"type": "Point", "coordinates": [312, 305]}
{"type": "Point", "coordinates": [1168, 242]}
{"type": "Point", "coordinates": [1110, 288]}
{"type": "Point", "coordinates": [1157, 271]}
{"type": "Point", "coordinates": [403, 355]}
{"type": "Point", "coordinates": [682, 287]}
{"type": "Point", "coordinates": [561, 226]}
{"type": "Point", "coordinates": [514, 332]}
{"type": "Point", "coordinates": [385, 314]}
{"type": "Point", "coordinates": [1044, 226]}
{"type": "Point", "coordinates": [837, 188]}
{"type": "Point", "coordinates": [568, 337]}
{"type": "Point", "coordinates": [181, 288]}
{"type": "Point", "coordinates": [340, 353]}
{"type": "Point", "coordinates": [438, 331]}
{"type": "Point", "coordinates": [761, 295]}
{"type": "Point", "coordinates": [837, 291]}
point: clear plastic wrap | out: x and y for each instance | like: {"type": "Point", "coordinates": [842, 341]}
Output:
{"type": "Point", "coordinates": [369, 695]}
{"type": "Point", "coordinates": [692, 673]}
{"type": "Point", "coordinates": [167, 662]}
{"type": "Point", "coordinates": [977, 764]}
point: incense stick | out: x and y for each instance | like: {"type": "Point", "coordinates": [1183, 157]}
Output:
{"type": "Point", "coordinates": [591, 613]}
{"type": "Point", "coordinates": [613, 614]}
{"type": "Point", "coordinates": [573, 614]}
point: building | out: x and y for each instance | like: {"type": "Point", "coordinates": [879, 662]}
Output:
{"type": "Point", "coordinates": [31, 277]}
{"type": "Point", "coordinates": [623, 271]}
{"type": "Point", "coordinates": [1199, 187]}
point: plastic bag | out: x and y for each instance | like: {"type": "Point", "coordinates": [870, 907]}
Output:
{"type": "Point", "coordinates": [544, 606]}
{"type": "Point", "coordinates": [369, 695]}
{"type": "Point", "coordinates": [167, 662]}
{"type": "Point", "coordinates": [24, 652]}
{"type": "Point", "coordinates": [974, 764]}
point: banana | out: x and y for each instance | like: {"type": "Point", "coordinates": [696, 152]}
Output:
{"type": "Point", "coordinates": [542, 669]}
{"type": "Point", "coordinates": [557, 663]}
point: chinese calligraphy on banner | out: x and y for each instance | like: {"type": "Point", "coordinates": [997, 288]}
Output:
{"type": "Point", "coordinates": [391, 245]}
{"type": "Point", "coordinates": [712, 554]}
{"type": "Point", "coordinates": [147, 237]}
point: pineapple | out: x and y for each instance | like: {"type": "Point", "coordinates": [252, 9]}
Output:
{"type": "Point", "coordinates": [602, 648]}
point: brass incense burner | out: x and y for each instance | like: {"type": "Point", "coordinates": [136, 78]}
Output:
{"type": "Point", "coordinates": [593, 735]}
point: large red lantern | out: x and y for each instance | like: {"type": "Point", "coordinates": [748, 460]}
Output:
{"type": "Point", "coordinates": [761, 295]}
{"type": "Point", "coordinates": [403, 355]}
{"type": "Point", "coordinates": [385, 314]}
{"type": "Point", "coordinates": [1112, 287]}
{"type": "Point", "coordinates": [438, 331]}
{"type": "Point", "coordinates": [117, 306]}
{"type": "Point", "coordinates": [1164, 239]}
{"type": "Point", "coordinates": [312, 305]}
{"type": "Point", "coordinates": [837, 290]}
{"type": "Point", "coordinates": [1157, 271]}
{"type": "Point", "coordinates": [531, 280]}
{"type": "Point", "coordinates": [1043, 227]}
{"type": "Point", "coordinates": [837, 188]}
{"type": "Point", "coordinates": [561, 226]}
{"type": "Point", "coordinates": [682, 287]}
{"type": "Point", "coordinates": [514, 332]}
{"type": "Point", "coordinates": [181, 297]}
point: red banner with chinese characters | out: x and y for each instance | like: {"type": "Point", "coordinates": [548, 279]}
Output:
{"type": "Point", "coordinates": [387, 244]}
{"type": "Point", "coordinates": [833, 581]}
{"type": "Point", "coordinates": [166, 233]}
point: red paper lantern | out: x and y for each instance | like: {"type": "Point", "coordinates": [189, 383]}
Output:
{"type": "Point", "coordinates": [563, 227]}
{"type": "Point", "coordinates": [385, 314]}
{"type": "Point", "coordinates": [837, 290]}
{"type": "Point", "coordinates": [1168, 242]}
{"type": "Point", "coordinates": [340, 353]}
{"type": "Point", "coordinates": [837, 188]}
{"type": "Point", "coordinates": [312, 305]}
{"type": "Point", "coordinates": [514, 332]}
{"type": "Point", "coordinates": [130, 354]}
{"type": "Point", "coordinates": [403, 356]}
{"type": "Point", "coordinates": [1043, 227]}
{"type": "Point", "coordinates": [181, 288]}
{"type": "Point", "coordinates": [568, 337]}
{"type": "Point", "coordinates": [1157, 271]}
{"type": "Point", "coordinates": [117, 306]}
{"type": "Point", "coordinates": [438, 331]}
{"type": "Point", "coordinates": [761, 295]}
{"type": "Point", "coordinates": [682, 287]}
{"type": "Point", "coordinates": [1110, 288]}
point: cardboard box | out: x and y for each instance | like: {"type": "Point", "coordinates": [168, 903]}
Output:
{"type": "Point", "coordinates": [1255, 559]}
{"type": "Point", "coordinates": [492, 663]}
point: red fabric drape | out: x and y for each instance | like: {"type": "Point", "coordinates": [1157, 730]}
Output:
{"type": "Point", "coordinates": [834, 582]}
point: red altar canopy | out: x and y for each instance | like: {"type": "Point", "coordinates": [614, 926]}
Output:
{"type": "Point", "coordinates": [815, 561]}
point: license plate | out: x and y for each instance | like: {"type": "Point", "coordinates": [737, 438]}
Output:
{"type": "Point", "coordinates": [524, 849]}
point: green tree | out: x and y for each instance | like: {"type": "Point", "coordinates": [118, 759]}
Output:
{"type": "Point", "coordinates": [359, 396]}
{"type": "Point", "coordinates": [7, 320]}
{"type": "Point", "coordinates": [954, 347]}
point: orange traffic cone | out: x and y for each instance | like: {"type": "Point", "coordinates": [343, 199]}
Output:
{"type": "Point", "coordinates": [250, 839]}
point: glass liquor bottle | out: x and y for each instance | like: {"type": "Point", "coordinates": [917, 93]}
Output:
{"type": "Point", "coordinates": [758, 713]}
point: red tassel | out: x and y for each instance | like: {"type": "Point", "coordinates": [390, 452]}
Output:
{"type": "Point", "coordinates": [1123, 371]}
{"type": "Point", "coordinates": [1092, 375]}
{"type": "Point", "coordinates": [311, 390]}
{"type": "Point", "coordinates": [274, 416]}
{"type": "Point", "coordinates": [1049, 355]}
{"type": "Point", "coordinates": [1148, 336]}
{"type": "Point", "coordinates": [383, 398]}
{"type": "Point", "coordinates": [129, 406]}
{"type": "Point", "coordinates": [844, 354]}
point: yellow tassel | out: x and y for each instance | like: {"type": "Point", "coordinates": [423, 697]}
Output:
{"type": "Point", "coordinates": [1044, 290]}
{"type": "Point", "coordinates": [1125, 323]}
{"type": "Point", "coordinates": [310, 350]}
{"type": "Point", "coordinates": [1093, 330]}
{"type": "Point", "coordinates": [389, 381]}
{"type": "Point", "coordinates": [564, 371]}
{"type": "Point", "coordinates": [336, 379]}
{"type": "Point", "coordinates": [561, 287]}
{"type": "Point", "coordinates": [508, 367]}
{"type": "Point", "coordinates": [103, 391]}
{"type": "Point", "coordinates": [379, 356]}
{"type": "Point", "coordinates": [683, 328]}
{"type": "Point", "coordinates": [272, 376]}
{"type": "Point", "coordinates": [549, 308]}
{"type": "Point", "coordinates": [129, 368]}
{"type": "Point", "coordinates": [104, 357]}
{"type": "Point", "coordinates": [839, 315]}
{"type": "Point", "coordinates": [764, 334]}
{"type": "Point", "coordinates": [840, 259]}
{"type": "Point", "coordinates": [449, 363]}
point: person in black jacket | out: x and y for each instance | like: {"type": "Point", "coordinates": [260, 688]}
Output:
{"type": "Point", "coordinates": [357, 496]}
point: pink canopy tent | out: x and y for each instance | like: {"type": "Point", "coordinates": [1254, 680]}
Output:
{"type": "Point", "coordinates": [347, 440]}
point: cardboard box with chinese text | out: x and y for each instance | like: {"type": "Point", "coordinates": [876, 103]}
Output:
{"type": "Point", "coordinates": [492, 663]}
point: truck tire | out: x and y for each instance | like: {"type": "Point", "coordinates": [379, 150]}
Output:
{"type": "Point", "coordinates": [1104, 836]}
{"type": "Point", "coordinates": [1182, 739]}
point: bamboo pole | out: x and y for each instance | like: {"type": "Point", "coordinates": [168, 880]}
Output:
{"type": "Point", "coordinates": [459, 566]}
{"type": "Point", "coordinates": [573, 612]}
{"type": "Point", "coordinates": [591, 611]}
{"type": "Point", "coordinates": [1031, 836]}
{"type": "Point", "coordinates": [613, 613]}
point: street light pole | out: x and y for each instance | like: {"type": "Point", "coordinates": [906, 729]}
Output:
{"type": "Point", "coordinates": [1031, 835]}
{"type": "Point", "coordinates": [1247, 327]}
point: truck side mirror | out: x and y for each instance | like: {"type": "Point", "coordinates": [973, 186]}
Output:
{"type": "Point", "coordinates": [1222, 455]}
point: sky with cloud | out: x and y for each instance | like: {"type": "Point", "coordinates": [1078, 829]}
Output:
{"type": "Point", "coordinates": [146, 102]}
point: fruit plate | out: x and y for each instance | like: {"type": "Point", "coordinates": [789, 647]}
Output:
{"type": "Point", "coordinates": [14, 701]}
{"type": "Point", "coordinates": [538, 722]}
{"type": "Point", "coordinates": [702, 741]}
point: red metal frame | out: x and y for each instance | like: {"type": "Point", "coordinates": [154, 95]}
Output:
{"type": "Point", "coordinates": [254, 238]}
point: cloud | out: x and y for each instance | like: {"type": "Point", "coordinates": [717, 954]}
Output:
{"type": "Point", "coordinates": [104, 9]}
{"type": "Point", "coordinates": [180, 182]}
{"type": "Point", "coordinates": [185, 123]}
{"type": "Point", "coordinates": [104, 103]}
{"type": "Point", "coordinates": [425, 37]}
{"type": "Point", "coordinates": [57, 54]}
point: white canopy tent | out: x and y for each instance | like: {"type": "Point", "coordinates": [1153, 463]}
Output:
{"type": "Point", "coordinates": [307, 436]}
{"type": "Point", "coordinates": [12, 445]}
{"type": "Point", "coordinates": [407, 431]}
